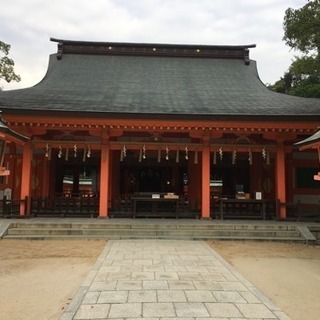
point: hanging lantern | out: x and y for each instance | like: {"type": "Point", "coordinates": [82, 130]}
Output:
{"type": "Point", "coordinates": [220, 153]}
{"type": "Point", "coordinates": [187, 153]}
{"type": "Point", "coordinates": [167, 153]}
{"type": "Point", "coordinates": [47, 150]}
{"type": "Point", "coordinates": [89, 152]}
{"type": "Point", "coordinates": [144, 152]}
{"type": "Point", "coordinates": [123, 153]}
{"type": "Point", "coordinates": [268, 158]}
{"type": "Point", "coordinates": [60, 152]}
{"type": "Point", "coordinates": [250, 157]}
{"type": "Point", "coordinates": [75, 150]}
{"type": "Point", "coordinates": [264, 154]}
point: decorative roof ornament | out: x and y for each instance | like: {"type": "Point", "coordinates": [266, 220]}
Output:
{"type": "Point", "coordinates": [152, 49]}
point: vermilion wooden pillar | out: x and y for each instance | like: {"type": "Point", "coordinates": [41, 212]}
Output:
{"type": "Point", "coordinates": [104, 180]}
{"type": "Point", "coordinates": [281, 178]}
{"type": "Point", "coordinates": [205, 209]}
{"type": "Point", "coordinates": [26, 179]}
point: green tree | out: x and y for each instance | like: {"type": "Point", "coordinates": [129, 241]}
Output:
{"type": "Point", "coordinates": [302, 32]}
{"type": "Point", "coordinates": [302, 27]}
{"type": "Point", "coordinates": [305, 76]}
{"type": "Point", "coordinates": [7, 65]}
{"type": "Point", "coordinates": [283, 85]}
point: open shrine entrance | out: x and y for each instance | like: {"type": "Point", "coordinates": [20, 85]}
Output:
{"type": "Point", "coordinates": [116, 171]}
{"type": "Point", "coordinates": [153, 183]}
{"type": "Point", "coordinates": [77, 179]}
{"type": "Point", "coordinates": [76, 172]}
{"type": "Point", "coordinates": [153, 171]}
{"type": "Point", "coordinates": [232, 176]}
{"type": "Point", "coordinates": [151, 179]}
{"type": "Point", "coordinates": [153, 174]}
{"type": "Point", "coordinates": [168, 176]}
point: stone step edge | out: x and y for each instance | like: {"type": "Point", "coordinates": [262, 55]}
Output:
{"type": "Point", "coordinates": [156, 226]}
{"type": "Point", "coordinates": [155, 231]}
{"type": "Point", "coordinates": [4, 229]}
{"type": "Point", "coordinates": [306, 234]}
{"type": "Point", "coordinates": [114, 237]}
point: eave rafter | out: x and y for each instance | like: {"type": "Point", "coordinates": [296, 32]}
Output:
{"type": "Point", "coordinates": [178, 126]}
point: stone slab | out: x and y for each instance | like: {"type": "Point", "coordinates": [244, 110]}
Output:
{"type": "Point", "coordinates": [179, 280]}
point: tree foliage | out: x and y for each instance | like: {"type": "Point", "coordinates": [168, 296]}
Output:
{"type": "Point", "coordinates": [302, 32]}
{"type": "Point", "coordinates": [302, 27]}
{"type": "Point", "coordinates": [6, 64]}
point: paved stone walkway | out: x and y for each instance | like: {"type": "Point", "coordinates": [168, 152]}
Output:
{"type": "Point", "coordinates": [168, 280]}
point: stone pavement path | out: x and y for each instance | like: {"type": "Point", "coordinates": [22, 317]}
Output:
{"type": "Point", "coordinates": [168, 280]}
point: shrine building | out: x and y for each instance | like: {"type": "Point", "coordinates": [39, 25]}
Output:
{"type": "Point", "coordinates": [185, 129]}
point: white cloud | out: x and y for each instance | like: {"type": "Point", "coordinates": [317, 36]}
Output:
{"type": "Point", "coordinates": [28, 25]}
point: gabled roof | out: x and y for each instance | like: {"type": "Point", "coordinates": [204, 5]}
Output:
{"type": "Point", "coordinates": [154, 79]}
{"type": "Point", "coordinates": [7, 134]}
{"type": "Point", "coordinates": [310, 142]}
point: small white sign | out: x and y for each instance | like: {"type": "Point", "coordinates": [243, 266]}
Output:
{"type": "Point", "coordinates": [258, 195]}
{"type": "Point", "coordinates": [7, 193]}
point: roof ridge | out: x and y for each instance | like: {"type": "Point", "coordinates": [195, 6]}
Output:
{"type": "Point", "coordinates": [153, 49]}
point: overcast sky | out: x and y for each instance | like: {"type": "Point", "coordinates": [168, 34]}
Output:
{"type": "Point", "coordinates": [28, 25]}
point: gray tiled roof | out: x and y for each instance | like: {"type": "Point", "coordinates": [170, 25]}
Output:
{"type": "Point", "coordinates": [155, 85]}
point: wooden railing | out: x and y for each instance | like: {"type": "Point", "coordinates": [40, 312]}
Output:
{"type": "Point", "coordinates": [84, 206]}
{"type": "Point", "coordinates": [65, 206]}
{"type": "Point", "coordinates": [10, 208]}
{"type": "Point", "coordinates": [124, 206]}
{"type": "Point", "coordinates": [299, 211]}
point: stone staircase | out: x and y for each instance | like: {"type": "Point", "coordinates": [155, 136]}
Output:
{"type": "Point", "coordinates": [158, 230]}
